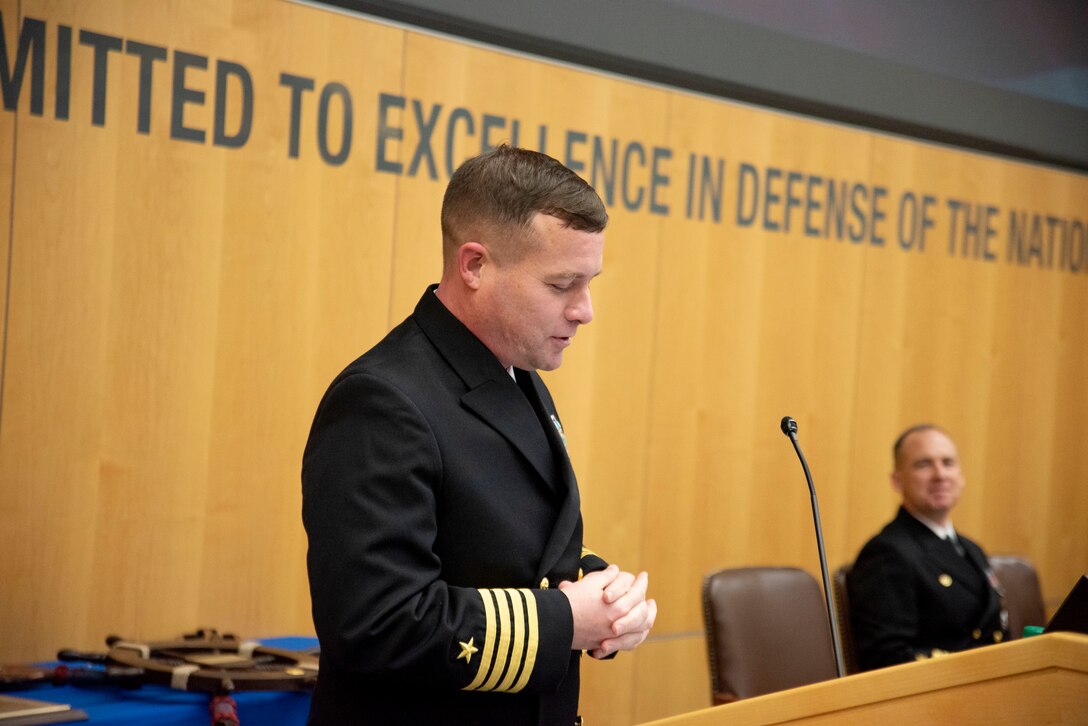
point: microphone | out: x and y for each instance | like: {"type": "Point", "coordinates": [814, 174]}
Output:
{"type": "Point", "coordinates": [789, 428]}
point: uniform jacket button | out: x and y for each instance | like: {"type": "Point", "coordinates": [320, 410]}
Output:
{"type": "Point", "coordinates": [544, 584]}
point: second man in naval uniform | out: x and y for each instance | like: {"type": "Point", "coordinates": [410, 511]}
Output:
{"type": "Point", "coordinates": [919, 588]}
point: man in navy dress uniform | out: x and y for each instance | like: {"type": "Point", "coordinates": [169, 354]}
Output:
{"type": "Point", "coordinates": [920, 588]}
{"type": "Point", "coordinates": [447, 571]}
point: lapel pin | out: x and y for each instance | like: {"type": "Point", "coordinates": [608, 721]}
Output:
{"type": "Point", "coordinates": [559, 428]}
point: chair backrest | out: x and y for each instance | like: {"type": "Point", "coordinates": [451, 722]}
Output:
{"type": "Point", "coordinates": [766, 631]}
{"type": "Point", "coordinates": [1023, 596]}
{"type": "Point", "coordinates": [841, 594]}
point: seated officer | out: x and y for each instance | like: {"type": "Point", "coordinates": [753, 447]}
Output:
{"type": "Point", "coordinates": [920, 589]}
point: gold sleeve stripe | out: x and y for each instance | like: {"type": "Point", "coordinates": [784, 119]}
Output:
{"type": "Point", "coordinates": [511, 641]}
{"type": "Point", "coordinates": [502, 655]}
{"type": "Point", "coordinates": [487, 649]}
{"type": "Point", "coordinates": [532, 640]}
{"type": "Point", "coordinates": [586, 552]}
{"type": "Point", "coordinates": [517, 617]}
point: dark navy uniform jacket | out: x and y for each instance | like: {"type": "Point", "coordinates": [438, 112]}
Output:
{"type": "Point", "coordinates": [911, 595]}
{"type": "Point", "coordinates": [441, 512]}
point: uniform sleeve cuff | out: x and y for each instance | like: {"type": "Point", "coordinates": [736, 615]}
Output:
{"type": "Point", "coordinates": [526, 641]}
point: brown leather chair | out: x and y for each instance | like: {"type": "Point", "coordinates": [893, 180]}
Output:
{"type": "Point", "coordinates": [841, 595]}
{"type": "Point", "coordinates": [1023, 597]}
{"type": "Point", "coordinates": [766, 631]}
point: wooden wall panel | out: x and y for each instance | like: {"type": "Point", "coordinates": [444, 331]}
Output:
{"type": "Point", "coordinates": [657, 695]}
{"type": "Point", "coordinates": [8, 127]}
{"type": "Point", "coordinates": [175, 309]}
{"type": "Point", "coordinates": [54, 371]}
{"type": "Point", "coordinates": [744, 338]}
{"type": "Point", "coordinates": [187, 315]}
{"type": "Point", "coordinates": [305, 283]}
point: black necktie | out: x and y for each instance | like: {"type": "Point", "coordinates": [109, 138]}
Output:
{"type": "Point", "coordinates": [956, 543]}
{"type": "Point", "coordinates": [525, 383]}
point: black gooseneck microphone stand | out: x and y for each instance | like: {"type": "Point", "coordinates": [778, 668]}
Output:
{"type": "Point", "coordinates": [789, 428]}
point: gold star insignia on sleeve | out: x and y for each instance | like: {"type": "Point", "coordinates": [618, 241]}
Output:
{"type": "Point", "coordinates": [467, 649]}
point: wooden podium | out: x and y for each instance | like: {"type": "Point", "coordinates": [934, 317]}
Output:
{"type": "Point", "coordinates": [1038, 680]}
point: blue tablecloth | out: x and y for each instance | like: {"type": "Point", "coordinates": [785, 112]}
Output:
{"type": "Point", "coordinates": [161, 705]}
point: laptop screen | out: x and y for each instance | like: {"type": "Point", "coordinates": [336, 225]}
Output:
{"type": "Point", "coordinates": [1072, 614]}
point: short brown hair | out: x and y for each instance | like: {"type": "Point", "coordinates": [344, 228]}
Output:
{"type": "Point", "coordinates": [897, 447]}
{"type": "Point", "coordinates": [505, 188]}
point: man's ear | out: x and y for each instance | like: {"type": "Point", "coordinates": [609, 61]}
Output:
{"type": "Point", "coordinates": [896, 484]}
{"type": "Point", "coordinates": [472, 257]}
